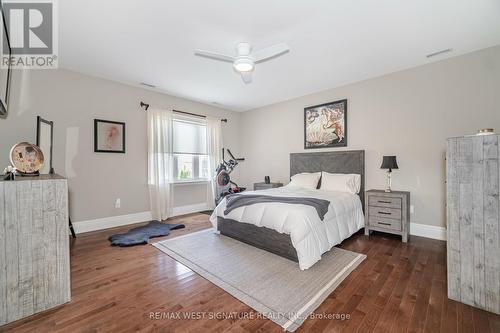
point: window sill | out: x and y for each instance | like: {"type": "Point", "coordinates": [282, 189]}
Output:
{"type": "Point", "coordinates": [191, 182]}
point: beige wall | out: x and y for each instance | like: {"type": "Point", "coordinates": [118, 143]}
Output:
{"type": "Point", "coordinates": [96, 180]}
{"type": "Point", "coordinates": [408, 114]}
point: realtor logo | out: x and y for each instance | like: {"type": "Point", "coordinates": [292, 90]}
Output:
{"type": "Point", "coordinates": [32, 34]}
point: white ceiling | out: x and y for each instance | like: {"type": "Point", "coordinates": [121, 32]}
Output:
{"type": "Point", "coordinates": [332, 42]}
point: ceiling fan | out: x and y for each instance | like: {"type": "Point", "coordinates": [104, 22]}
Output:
{"type": "Point", "coordinates": [244, 61]}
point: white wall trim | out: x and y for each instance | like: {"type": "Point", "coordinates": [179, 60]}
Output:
{"type": "Point", "coordinates": [429, 231]}
{"type": "Point", "coordinates": [121, 220]}
{"type": "Point", "coordinates": [111, 222]}
{"type": "Point", "coordinates": [416, 229]}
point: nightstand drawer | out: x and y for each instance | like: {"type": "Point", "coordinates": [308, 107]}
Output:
{"type": "Point", "coordinates": [384, 202]}
{"type": "Point", "coordinates": [385, 223]}
{"type": "Point", "coordinates": [383, 212]}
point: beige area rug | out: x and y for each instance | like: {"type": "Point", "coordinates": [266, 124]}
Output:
{"type": "Point", "coordinates": [272, 285]}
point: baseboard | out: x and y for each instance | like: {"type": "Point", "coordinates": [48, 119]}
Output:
{"type": "Point", "coordinates": [121, 220]}
{"type": "Point", "coordinates": [183, 210]}
{"type": "Point", "coordinates": [429, 231]}
{"type": "Point", "coordinates": [416, 229]}
{"type": "Point", "coordinates": [111, 222]}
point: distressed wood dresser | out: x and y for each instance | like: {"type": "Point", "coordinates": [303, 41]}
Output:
{"type": "Point", "coordinates": [34, 243]}
{"type": "Point", "coordinates": [473, 221]}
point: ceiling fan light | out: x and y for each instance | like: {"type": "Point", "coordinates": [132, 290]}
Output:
{"type": "Point", "coordinates": [243, 65]}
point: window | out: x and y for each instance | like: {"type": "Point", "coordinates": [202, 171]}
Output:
{"type": "Point", "coordinates": [191, 161]}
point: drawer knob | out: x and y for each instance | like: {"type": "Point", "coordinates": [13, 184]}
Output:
{"type": "Point", "coordinates": [385, 213]}
{"type": "Point", "coordinates": [384, 223]}
{"type": "Point", "coordinates": [386, 202]}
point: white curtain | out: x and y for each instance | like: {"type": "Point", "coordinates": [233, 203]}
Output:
{"type": "Point", "coordinates": [160, 163]}
{"type": "Point", "coordinates": [214, 150]}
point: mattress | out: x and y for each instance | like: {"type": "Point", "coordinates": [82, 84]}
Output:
{"type": "Point", "coordinates": [310, 236]}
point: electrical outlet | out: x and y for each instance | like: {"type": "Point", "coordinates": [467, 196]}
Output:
{"type": "Point", "coordinates": [118, 203]}
{"type": "Point", "coordinates": [412, 209]}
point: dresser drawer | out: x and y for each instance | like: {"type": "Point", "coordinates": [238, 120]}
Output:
{"type": "Point", "coordinates": [384, 202]}
{"type": "Point", "coordinates": [385, 223]}
{"type": "Point", "coordinates": [384, 212]}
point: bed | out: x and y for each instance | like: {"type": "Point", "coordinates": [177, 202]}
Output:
{"type": "Point", "coordinates": [294, 231]}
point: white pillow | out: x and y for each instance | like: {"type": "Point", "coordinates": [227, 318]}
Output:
{"type": "Point", "coordinates": [306, 180]}
{"type": "Point", "coordinates": [342, 182]}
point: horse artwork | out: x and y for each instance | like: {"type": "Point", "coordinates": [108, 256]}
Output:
{"type": "Point", "coordinates": [325, 125]}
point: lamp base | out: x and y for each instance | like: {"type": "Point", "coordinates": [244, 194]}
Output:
{"type": "Point", "coordinates": [389, 181]}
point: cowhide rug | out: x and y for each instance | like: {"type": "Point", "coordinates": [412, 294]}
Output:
{"type": "Point", "coordinates": [141, 235]}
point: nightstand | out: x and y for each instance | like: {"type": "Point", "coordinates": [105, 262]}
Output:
{"type": "Point", "coordinates": [388, 212]}
{"type": "Point", "coordinates": [264, 186]}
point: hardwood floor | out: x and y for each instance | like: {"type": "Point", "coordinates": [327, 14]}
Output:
{"type": "Point", "coordinates": [398, 288]}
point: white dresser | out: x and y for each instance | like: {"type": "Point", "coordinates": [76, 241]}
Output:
{"type": "Point", "coordinates": [34, 268]}
{"type": "Point", "coordinates": [473, 203]}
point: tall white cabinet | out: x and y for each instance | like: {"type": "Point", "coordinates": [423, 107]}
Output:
{"type": "Point", "coordinates": [34, 246]}
{"type": "Point", "coordinates": [473, 218]}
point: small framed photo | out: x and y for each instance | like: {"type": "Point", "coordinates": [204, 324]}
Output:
{"type": "Point", "coordinates": [109, 136]}
{"type": "Point", "coordinates": [325, 125]}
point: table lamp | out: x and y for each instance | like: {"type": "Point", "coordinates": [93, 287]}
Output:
{"type": "Point", "coordinates": [389, 163]}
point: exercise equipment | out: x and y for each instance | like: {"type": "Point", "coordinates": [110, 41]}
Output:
{"type": "Point", "coordinates": [224, 183]}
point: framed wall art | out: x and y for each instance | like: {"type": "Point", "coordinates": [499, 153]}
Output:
{"type": "Point", "coordinates": [325, 125]}
{"type": "Point", "coordinates": [109, 136]}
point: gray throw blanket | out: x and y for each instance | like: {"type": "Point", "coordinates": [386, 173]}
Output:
{"type": "Point", "coordinates": [234, 201]}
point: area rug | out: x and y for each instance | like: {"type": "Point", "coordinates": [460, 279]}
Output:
{"type": "Point", "coordinates": [272, 285]}
{"type": "Point", "coordinates": [141, 235]}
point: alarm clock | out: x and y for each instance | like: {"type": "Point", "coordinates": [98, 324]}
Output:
{"type": "Point", "coordinates": [27, 158]}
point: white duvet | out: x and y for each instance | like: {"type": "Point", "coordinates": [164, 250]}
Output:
{"type": "Point", "coordinates": [310, 236]}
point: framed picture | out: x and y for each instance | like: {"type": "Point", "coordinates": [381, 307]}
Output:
{"type": "Point", "coordinates": [325, 125]}
{"type": "Point", "coordinates": [5, 71]}
{"type": "Point", "coordinates": [45, 140]}
{"type": "Point", "coordinates": [109, 136]}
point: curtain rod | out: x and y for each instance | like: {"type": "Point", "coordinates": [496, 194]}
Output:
{"type": "Point", "coordinates": [145, 106]}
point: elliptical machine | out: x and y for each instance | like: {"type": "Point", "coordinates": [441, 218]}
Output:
{"type": "Point", "coordinates": [224, 183]}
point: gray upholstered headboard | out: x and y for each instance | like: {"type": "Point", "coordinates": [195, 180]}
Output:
{"type": "Point", "coordinates": [349, 161]}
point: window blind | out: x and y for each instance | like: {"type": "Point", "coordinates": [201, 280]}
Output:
{"type": "Point", "coordinates": [189, 137]}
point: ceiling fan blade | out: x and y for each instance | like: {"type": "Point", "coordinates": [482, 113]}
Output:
{"type": "Point", "coordinates": [270, 52]}
{"type": "Point", "coordinates": [213, 55]}
{"type": "Point", "coordinates": [246, 77]}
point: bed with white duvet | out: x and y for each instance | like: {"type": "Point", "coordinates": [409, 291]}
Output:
{"type": "Point", "coordinates": [310, 236]}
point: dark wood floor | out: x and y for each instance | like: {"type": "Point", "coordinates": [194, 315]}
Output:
{"type": "Point", "coordinates": [399, 288]}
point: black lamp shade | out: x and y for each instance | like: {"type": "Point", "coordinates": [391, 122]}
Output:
{"type": "Point", "coordinates": [389, 162]}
